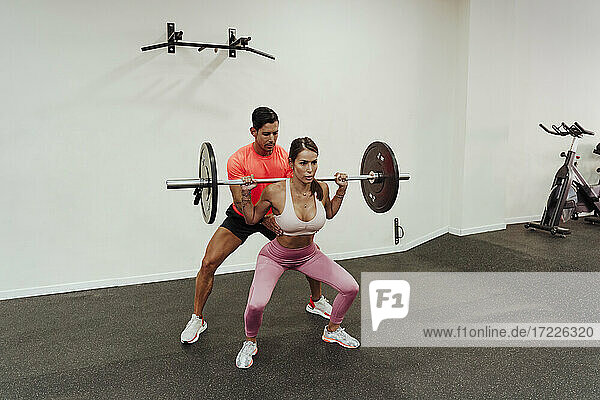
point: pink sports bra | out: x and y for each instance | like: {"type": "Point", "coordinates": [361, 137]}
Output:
{"type": "Point", "coordinates": [291, 224]}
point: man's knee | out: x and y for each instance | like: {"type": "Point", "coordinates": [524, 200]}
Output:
{"type": "Point", "coordinates": [209, 266]}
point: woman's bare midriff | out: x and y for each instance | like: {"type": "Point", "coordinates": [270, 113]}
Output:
{"type": "Point", "coordinates": [295, 242]}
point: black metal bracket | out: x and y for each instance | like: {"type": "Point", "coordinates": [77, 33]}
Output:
{"type": "Point", "coordinates": [175, 38]}
{"type": "Point", "coordinates": [232, 52]}
{"type": "Point", "coordinates": [398, 231]}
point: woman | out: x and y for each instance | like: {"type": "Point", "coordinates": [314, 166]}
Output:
{"type": "Point", "coordinates": [300, 205]}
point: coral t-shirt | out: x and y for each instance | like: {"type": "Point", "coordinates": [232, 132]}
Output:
{"type": "Point", "coordinates": [246, 161]}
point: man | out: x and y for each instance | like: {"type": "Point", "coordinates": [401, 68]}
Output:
{"type": "Point", "coordinates": [262, 158]}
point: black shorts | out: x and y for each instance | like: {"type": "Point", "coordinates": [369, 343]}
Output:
{"type": "Point", "coordinates": [236, 224]}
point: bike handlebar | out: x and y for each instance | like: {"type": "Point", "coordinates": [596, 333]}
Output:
{"type": "Point", "coordinates": [574, 130]}
{"type": "Point", "coordinates": [585, 131]}
{"type": "Point", "coordinates": [556, 130]}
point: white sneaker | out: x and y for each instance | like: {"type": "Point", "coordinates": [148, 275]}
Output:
{"type": "Point", "coordinates": [320, 307]}
{"type": "Point", "coordinates": [341, 337]}
{"type": "Point", "coordinates": [193, 329]}
{"type": "Point", "coordinates": [244, 357]}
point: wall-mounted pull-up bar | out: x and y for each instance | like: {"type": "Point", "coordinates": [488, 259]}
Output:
{"type": "Point", "coordinates": [174, 39]}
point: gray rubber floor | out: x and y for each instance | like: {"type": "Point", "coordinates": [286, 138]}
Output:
{"type": "Point", "coordinates": [124, 342]}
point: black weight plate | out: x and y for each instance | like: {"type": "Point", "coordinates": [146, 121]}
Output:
{"type": "Point", "coordinates": [209, 194]}
{"type": "Point", "coordinates": [380, 196]}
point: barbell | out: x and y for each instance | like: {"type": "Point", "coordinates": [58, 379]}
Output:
{"type": "Point", "coordinates": [379, 178]}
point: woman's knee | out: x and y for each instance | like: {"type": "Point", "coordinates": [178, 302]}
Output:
{"type": "Point", "coordinates": [256, 301]}
{"type": "Point", "coordinates": [350, 288]}
{"type": "Point", "coordinates": [255, 307]}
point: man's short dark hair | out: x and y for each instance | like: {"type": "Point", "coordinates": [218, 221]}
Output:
{"type": "Point", "coordinates": [262, 116]}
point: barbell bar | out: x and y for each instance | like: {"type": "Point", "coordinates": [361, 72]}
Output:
{"type": "Point", "coordinates": [201, 183]}
{"type": "Point", "coordinates": [379, 178]}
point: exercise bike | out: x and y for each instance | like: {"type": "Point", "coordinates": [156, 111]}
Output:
{"type": "Point", "coordinates": [570, 193]}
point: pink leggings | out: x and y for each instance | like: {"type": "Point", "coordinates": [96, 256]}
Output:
{"type": "Point", "coordinates": [274, 260]}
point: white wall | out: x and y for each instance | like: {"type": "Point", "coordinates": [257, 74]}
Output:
{"type": "Point", "coordinates": [528, 62]}
{"type": "Point", "coordinates": [555, 78]}
{"type": "Point", "coordinates": [456, 168]}
{"type": "Point", "coordinates": [482, 146]}
{"type": "Point", "coordinates": [91, 127]}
